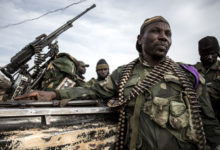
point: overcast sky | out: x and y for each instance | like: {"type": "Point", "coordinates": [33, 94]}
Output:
{"type": "Point", "coordinates": [110, 30]}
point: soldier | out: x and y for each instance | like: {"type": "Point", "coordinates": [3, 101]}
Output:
{"type": "Point", "coordinates": [209, 67]}
{"type": "Point", "coordinates": [162, 105]}
{"type": "Point", "coordinates": [102, 70]}
{"type": "Point", "coordinates": [81, 71]}
{"type": "Point", "coordinates": [61, 73]}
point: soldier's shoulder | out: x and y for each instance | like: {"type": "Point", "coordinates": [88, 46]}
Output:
{"type": "Point", "coordinates": [65, 57]}
{"type": "Point", "coordinates": [119, 69]}
{"type": "Point", "coordinates": [63, 63]}
{"type": "Point", "coordinates": [92, 80]}
{"type": "Point", "coordinates": [192, 73]}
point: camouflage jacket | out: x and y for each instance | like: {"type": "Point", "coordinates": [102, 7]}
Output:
{"type": "Point", "coordinates": [92, 81]}
{"type": "Point", "coordinates": [158, 106]}
{"type": "Point", "coordinates": [212, 77]}
{"type": "Point", "coordinates": [62, 68]}
{"type": "Point", "coordinates": [80, 80]}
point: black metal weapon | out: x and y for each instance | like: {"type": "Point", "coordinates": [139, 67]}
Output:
{"type": "Point", "coordinates": [19, 61]}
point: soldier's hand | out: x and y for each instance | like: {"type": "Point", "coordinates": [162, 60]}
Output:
{"type": "Point", "coordinates": [38, 95]}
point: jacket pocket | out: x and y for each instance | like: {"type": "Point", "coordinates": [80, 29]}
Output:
{"type": "Point", "coordinates": [133, 80]}
{"type": "Point", "coordinates": [160, 111]}
{"type": "Point", "coordinates": [179, 116]}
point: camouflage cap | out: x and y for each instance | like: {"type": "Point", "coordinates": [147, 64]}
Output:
{"type": "Point", "coordinates": [209, 43]}
{"type": "Point", "coordinates": [147, 22]}
{"type": "Point", "coordinates": [151, 20]}
{"type": "Point", "coordinates": [81, 63]}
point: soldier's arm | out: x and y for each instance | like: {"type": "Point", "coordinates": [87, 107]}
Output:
{"type": "Point", "coordinates": [38, 95]}
{"type": "Point", "coordinates": [104, 89]}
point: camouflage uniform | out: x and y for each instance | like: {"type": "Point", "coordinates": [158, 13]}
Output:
{"type": "Point", "coordinates": [81, 70]}
{"type": "Point", "coordinates": [63, 67]}
{"type": "Point", "coordinates": [91, 82]}
{"type": "Point", "coordinates": [212, 77]}
{"type": "Point", "coordinates": [154, 109]}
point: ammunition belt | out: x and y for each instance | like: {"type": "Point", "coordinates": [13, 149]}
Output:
{"type": "Point", "coordinates": [151, 79]}
{"type": "Point", "coordinates": [37, 60]}
{"type": "Point", "coordinates": [194, 106]}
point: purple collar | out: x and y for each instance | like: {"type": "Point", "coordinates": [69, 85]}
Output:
{"type": "Point", "coordinates": [195, 73]}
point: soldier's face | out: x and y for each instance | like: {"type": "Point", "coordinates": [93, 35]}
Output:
{"type": "Point", "coordinates": [103, 73]}
{"type": "Point", "coordinates": [208, 57]}
{"type": "Point", "coordinates": [156, 40]}
{"type": "Point", "coordinates": [82, 69]}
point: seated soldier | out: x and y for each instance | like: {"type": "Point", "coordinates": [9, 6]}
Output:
{"type": "Point", "coordinates": [102, 70]}
{"type": "Point", "coordinates": [81, 71]}
{"type": "Point", "coordinates": [209, 67]}
{"type": "Point", "coordinates": [61, 73]}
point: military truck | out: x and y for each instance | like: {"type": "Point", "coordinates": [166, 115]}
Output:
{"type": "Point", "coordinates": [37, 125]}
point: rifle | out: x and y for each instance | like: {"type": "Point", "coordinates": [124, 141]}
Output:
{"type": "Point", "coordinates": [27, 78]}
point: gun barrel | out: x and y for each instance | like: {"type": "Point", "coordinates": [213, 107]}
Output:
{"type": "Point", "coordinates": [66, 26]}
{"type": "Point", "coordinates": [27, 52]}
{"type": "Point", "coordinates": [82, 13]}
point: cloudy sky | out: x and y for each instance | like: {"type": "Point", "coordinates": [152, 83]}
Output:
{"type": "Point", "coordinates": [110, 30]}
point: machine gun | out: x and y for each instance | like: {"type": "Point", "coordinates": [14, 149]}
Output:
{"type": "Point", "coordinates": [29, 77]}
